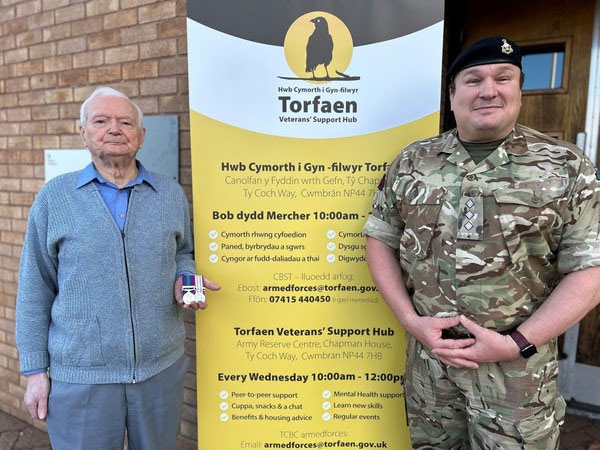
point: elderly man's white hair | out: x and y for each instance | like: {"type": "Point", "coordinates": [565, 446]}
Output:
{"type": "Point", "coordinates": [105, 90]}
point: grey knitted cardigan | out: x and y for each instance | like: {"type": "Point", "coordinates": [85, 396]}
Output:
{"type": "Point", "coordinates": [94, 304]}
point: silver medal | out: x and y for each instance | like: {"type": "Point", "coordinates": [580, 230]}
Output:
{"type": "Point", "coordinates": [200, 289]}
{"type": "Point", "coordinates": [188, 298]}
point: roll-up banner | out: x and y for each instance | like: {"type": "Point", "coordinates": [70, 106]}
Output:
{"type": "Point", "coordinates": [297, 109]}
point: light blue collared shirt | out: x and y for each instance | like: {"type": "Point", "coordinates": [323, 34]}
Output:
{"type": "Point", "coordinates": [116, 199]}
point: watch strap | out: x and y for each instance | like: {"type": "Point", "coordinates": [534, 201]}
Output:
{"type": "Point", "coordinates": [527, 348]}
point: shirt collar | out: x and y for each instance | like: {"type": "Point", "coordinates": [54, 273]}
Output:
{"type": "Point", "coordinates": [89, 174]}
{"type": "Point", "coordinates": [514, 144]}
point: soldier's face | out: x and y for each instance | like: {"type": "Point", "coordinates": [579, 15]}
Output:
{"type": "Point", "coordinates": [486, 101]}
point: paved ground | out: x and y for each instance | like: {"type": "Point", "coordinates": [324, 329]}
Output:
{"type": "Point", "coordinates": [15, 434]}
{"type": "Point", "coordinates": [579, 433]}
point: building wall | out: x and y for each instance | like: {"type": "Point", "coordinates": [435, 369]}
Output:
{"type": "Point", "coordinates": [53, 54]}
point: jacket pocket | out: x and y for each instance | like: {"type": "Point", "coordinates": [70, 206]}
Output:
{"type": "Point", "coordinates": [527, 212]}
{"type": "Point", "coordinates": [81, 345]}
{"type": "Point", "coordinates": [171, 333]}
{"type": "Point", "coordinates": [421, 206]}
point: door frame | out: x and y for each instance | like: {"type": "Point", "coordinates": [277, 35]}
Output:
{"type": "Point", "coordinates": [592, 119]}
{"type": "Point", "coordinates": [575, 380]}
{"type": "Point", "coordinates": [578, 382]}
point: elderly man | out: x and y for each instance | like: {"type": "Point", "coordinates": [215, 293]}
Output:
{"type": "Point", "coordinates": [100, 292]}
{"type": "Point", "coordinates": [484, 243]}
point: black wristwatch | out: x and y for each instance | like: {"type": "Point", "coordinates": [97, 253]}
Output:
{"type": "Point", "coordinates": [527, 348]}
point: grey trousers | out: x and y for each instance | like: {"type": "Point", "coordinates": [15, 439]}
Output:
{"type": "Point", "coordinates": [95, 416]}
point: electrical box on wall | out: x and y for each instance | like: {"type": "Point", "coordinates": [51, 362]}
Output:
{"type": "Point", "coordinates": [160, 152]}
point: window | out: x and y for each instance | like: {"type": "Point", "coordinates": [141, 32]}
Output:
{"type": "Point", "coordinates": [543, 67]}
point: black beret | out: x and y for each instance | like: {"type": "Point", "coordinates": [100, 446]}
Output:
{"type": "Point", "coordinates": [490, 50]}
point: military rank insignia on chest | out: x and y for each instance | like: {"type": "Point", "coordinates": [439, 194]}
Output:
{"type": "Point", "coordinates": [470, 222]}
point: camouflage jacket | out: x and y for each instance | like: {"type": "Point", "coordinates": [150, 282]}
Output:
{"type": "Point", "coordinates": [488, 240]}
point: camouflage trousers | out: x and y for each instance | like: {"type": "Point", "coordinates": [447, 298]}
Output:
{"type": "Point", "coordinates": [507, 405]}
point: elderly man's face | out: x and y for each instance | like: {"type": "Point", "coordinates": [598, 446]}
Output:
{"type": "Point", "coordinates": [112, 129]}
{"type": "Point", "coordinates": [486, 101]}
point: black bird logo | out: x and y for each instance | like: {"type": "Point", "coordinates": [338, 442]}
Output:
{"type": "Point", "coordinates": [319, 49]}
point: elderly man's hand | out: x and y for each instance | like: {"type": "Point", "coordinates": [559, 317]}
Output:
{"type": "Point", "coordinates": [36, 395]}
{"type": "Point", "coordinates": [194, 305]}
{"type": "Point", "coordinates": [489, 346]}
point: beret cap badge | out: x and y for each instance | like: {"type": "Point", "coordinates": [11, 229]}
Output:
{"type": "Point", "coordinates": [506, 47]}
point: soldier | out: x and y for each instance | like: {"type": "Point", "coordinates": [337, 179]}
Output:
{"type": "Point", "coordinates": [484, 243]}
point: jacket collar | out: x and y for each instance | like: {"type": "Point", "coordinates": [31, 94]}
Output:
{"type": "Point", "coordinates": [514, 144]}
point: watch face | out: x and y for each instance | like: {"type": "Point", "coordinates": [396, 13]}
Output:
{"type": "Point", "coordinates": [528, 351]}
